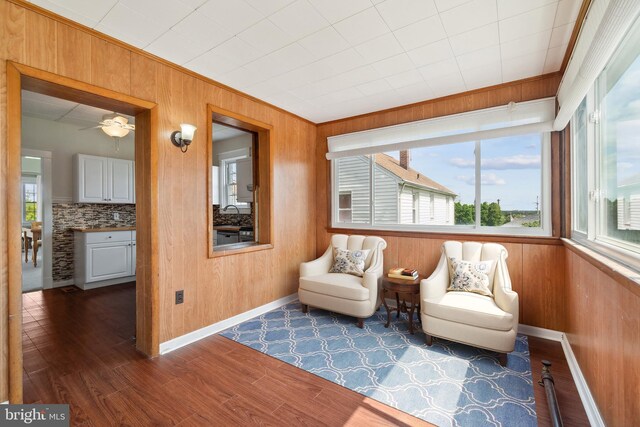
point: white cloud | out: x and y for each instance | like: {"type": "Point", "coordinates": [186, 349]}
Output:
{"type": "Point", "coordinates": [492, 179]}
{"type": "Point", "coordinates": [485, 179]}
{"type": "Point", "coordinates": [519, 161]}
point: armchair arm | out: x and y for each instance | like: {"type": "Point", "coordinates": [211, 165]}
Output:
{"type": "Point", "coordinates": [372, 275]}
{"type": "Point", "coordinates": [436, 285]}
{"type": "Point", "coordinates": [318, 266]}
{"type": "Point", "coordinates": [504, 297]}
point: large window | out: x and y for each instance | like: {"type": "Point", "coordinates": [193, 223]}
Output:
{"type": "Point", "coordinates": [606, 156]}
{"type": "Point", "coordinates": [497, 186]}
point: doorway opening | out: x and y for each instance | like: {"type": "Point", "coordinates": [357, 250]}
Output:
{"type": "Point", "coordinates": [37, 182]}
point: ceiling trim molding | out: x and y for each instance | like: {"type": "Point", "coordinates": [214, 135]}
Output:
{"type": "Point", "coordinates": [66, 21]}
{"type": "Point", "coordinates": [574, 35]}
{"type": "Point", "coordinates": [448, 97]}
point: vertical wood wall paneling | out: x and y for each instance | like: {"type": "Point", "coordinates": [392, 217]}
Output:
{"type": "Point", "coordinates": [536, 270]}
{"type": "Point", "coordinates": [603, 324]}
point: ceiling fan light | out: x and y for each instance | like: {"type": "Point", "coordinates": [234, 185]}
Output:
{"type": "Point", "coordinates": [115, 131]}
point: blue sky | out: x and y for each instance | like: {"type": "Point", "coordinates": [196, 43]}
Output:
{"type": "Point", "coordinates": [510, 169]}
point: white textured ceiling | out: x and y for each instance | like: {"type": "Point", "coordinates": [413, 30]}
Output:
{"type": "Point", "coordinates": [222, 132]}
{"type": "Point", "coordinates": [328, 59]}
{"type": "Point", "coordinates": [60, 110]}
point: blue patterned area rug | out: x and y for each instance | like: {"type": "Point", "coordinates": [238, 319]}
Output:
{"type": "Point", "coordinates": [447, 384]}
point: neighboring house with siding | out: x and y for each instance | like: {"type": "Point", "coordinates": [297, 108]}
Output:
{"type": "Point", "coordinates": [401, 195]}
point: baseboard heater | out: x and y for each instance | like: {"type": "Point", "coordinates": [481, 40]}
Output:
{"type": "Point", "coordinates": [546, 380]}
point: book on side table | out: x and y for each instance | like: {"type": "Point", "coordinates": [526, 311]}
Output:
{"type": "Point", "coordinates": [403, 273]}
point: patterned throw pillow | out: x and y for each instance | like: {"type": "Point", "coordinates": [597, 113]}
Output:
{"type": "Point", "coordinates": [467, 276]}
{"type": "Point", "coordinates": [349, 262]}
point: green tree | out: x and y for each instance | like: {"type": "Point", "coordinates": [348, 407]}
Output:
{"type": "Point", "coordinates": [491, 214]}
{"type": "Point", "coordinates": [464, 213]}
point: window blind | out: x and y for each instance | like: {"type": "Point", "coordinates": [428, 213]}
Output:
{"type": "Point", "coordinates": [508, 120]}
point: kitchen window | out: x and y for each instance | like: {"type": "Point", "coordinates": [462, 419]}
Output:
{"type": "Point", "coordinates": [606, 158]}
{"type": "Point", "coordinates": [228, 181]}
{"type": "Point", "coordinates": [29, 199]}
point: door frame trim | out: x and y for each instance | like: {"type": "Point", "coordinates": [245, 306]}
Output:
{"type": "Point", "coordinates": [21, 77]}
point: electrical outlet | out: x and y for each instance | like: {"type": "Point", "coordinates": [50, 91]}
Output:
{"type": "Point", "coordinates": [179, 297]}
{"type": "Point", "coordinates": [116, 216]}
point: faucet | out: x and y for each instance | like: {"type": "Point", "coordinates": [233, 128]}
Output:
{"type": "Point", "coordinates": [229, 206]}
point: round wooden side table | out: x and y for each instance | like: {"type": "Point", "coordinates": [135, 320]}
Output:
{"type": "Point", "coordinates": [410, 291]}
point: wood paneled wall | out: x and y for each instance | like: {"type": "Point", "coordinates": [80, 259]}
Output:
{"type": "Point", "coordinates": [603, 327]}
{"type": "Point", "coordinates": [536, 266]}
{"type": "Point", "coordinates": [214, 288]}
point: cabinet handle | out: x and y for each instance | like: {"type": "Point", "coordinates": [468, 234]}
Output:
{"type": "Point", "coordinates": [108, 237]}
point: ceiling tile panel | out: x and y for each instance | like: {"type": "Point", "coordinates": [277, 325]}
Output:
{"type": "Point", "coordinates": [567, 12]}
{"type": "Point", "coordinates": [561, 35]}
{"type": "Point", "coordinates": [431, 53]}
{"type": "Point", "coordinates": [486, 75]}
{"type": "Point", "coordinates": [198, 26]}
{"type": "Point", "coordinates": [130, 26]}
{"type": "Point", "coordinates": [521, 67]}
{"type": "Point", "coordinates": [281, 61]}
{"type": "Point", "coordinates": [525, 45]}
{"type": "Point", "coordinates": [405, 78]}
{"type": "Point", "coordinates": [266, 36]}
{"type": "Point", "coordinates": [446, 85]}
{"type": "Point", "coordinates": [394, 65]}
{"type": "Point", "coordinates": [400, 13]}
{"type": "Point", "coordinates": [439, 69]}
{"type": "Point", "coordinates": [324, 43]}
{"type": "Point", "coordinates": [469, 16]}
{"type": "Point", "coordinates": [509, 8]}
{"type": "Point", "coordinates": [421, 33]}
{"type": "Point", "coordinates": [337, 10]}
{"type": "Point", "coordinates": [476, 39]}
{"type": "Point", "coordinates": [166, 13]}
{"type": "Point", "coordinates": [299, 19]}
{"type": "Point", "coordinates": [479, 58]}
{"type": "Point", "coordinates": [380, 48]}
{"type": "Point", "coordinates": [268, 7]}
{"type": "Point", "coordinates": [374, 87]}
{"type": "Point", "coordinates": [532, 22]}
{"type": "Point", "coordinates": [236, 16]}
{"type": "Point", "coordinates": [444, 5]}
{"type": "Point", "coordinates": [554, 58]}
{"type": "Point", "coordinates": [363, 26]}
{"type": "Point", "coordinates": [177, 48]}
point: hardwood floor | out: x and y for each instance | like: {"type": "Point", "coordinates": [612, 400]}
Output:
{"type": "Point", "coordinates": [79, 349]}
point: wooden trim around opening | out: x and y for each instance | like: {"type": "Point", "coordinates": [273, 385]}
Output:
{"type": "Point", "coordinates": [263, 176]}
{"type": "Point", "coordinates": [20, 77]}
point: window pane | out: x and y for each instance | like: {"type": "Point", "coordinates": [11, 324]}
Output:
{"type": "Point", "coordinates": [620, 145]}
{"type": "Point", "coordinates": [511, 181]}
{"type": "Point", "coordinates": [580, 165]}
{"type": "Point", "coordinates": [432, 185]}
{"type": "Point", "coordinates": [353, 176]}
{"type": "Point", "coordinates": [344, 201]}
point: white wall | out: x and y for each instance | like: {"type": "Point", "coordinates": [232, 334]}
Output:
{"type": "Point", "coordinates": [237, 143]}
{"type": "Point", "coordinates": [31, 166]}
{"type": "Point", "coordinates": [64, 140]}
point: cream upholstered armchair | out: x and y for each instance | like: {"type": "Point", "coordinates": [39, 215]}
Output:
{"type": "Point", "coordinates": [344, 293]}
{"type": "Point", "coordinates": [478, 320]}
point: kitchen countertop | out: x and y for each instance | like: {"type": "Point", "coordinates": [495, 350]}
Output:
{"type": "Point", "coordinates": [100, 229]}
{"type": "Point", "coordinates": [227, 227]}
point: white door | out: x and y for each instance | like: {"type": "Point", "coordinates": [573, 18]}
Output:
{"type": "Point", "coordinates": [91, 179]}
{"type": "Point", "coordinates": [244, 178]}
{"type": "Point", "coordinates": [108, 261]}
{"type": "Point", "coordinates": [120, 178]}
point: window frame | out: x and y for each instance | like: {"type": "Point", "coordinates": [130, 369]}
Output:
{"type": "Point", "coordinates": [350, 208]}
{"type": "Point", "coordinates": [226, 159]}
{"type": "Point", "coordinates": [545, 229]}
{"type": "Point", "coordinates": [594, 238]}
{"type": "Point", "coordinates": [28, 179]}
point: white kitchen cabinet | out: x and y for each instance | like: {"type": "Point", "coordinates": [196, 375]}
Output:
{"type": "Point", "coordinates": [244, 179]}
{"type": "Point", "coordinates": [104, 258]}
{"type": "Point", "coordinates": [103, 180]}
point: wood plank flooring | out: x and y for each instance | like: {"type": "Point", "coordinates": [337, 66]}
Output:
{"type": "Point", "coordinates": [79, 349]}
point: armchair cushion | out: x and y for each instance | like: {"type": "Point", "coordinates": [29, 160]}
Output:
{"type": "Point", "coordinates": [339, 285]}
{"type": "Point", "coordinates": [469, 309]}
{"type": "Point", "coordinates": [469, 276]}
{"type": "Point", "coordinates": [349, 262]}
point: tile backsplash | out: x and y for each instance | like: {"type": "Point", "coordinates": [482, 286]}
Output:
{"type": "Point", "coordinates": [243, 220]}
{"type": "Point", "coordinates": [70, 215]}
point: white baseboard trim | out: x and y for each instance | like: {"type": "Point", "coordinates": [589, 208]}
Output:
{"type": "Point", "coordinates": [547, 334]}
{"type": "Point", "coordinates": [199, 334]}
{"type": "Point", "coordinates": [6, 402]}
{"type": "Point", "coordinates": [589, 403]}
{"type": "Point", "coordinates": [590, 407]}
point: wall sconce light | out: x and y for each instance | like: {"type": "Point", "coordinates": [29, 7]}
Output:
{"type": "Point", "coordinates": [183, 137]}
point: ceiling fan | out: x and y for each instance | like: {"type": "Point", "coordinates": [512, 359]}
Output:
{"type": "Point", "coordinates": [114, 125]}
